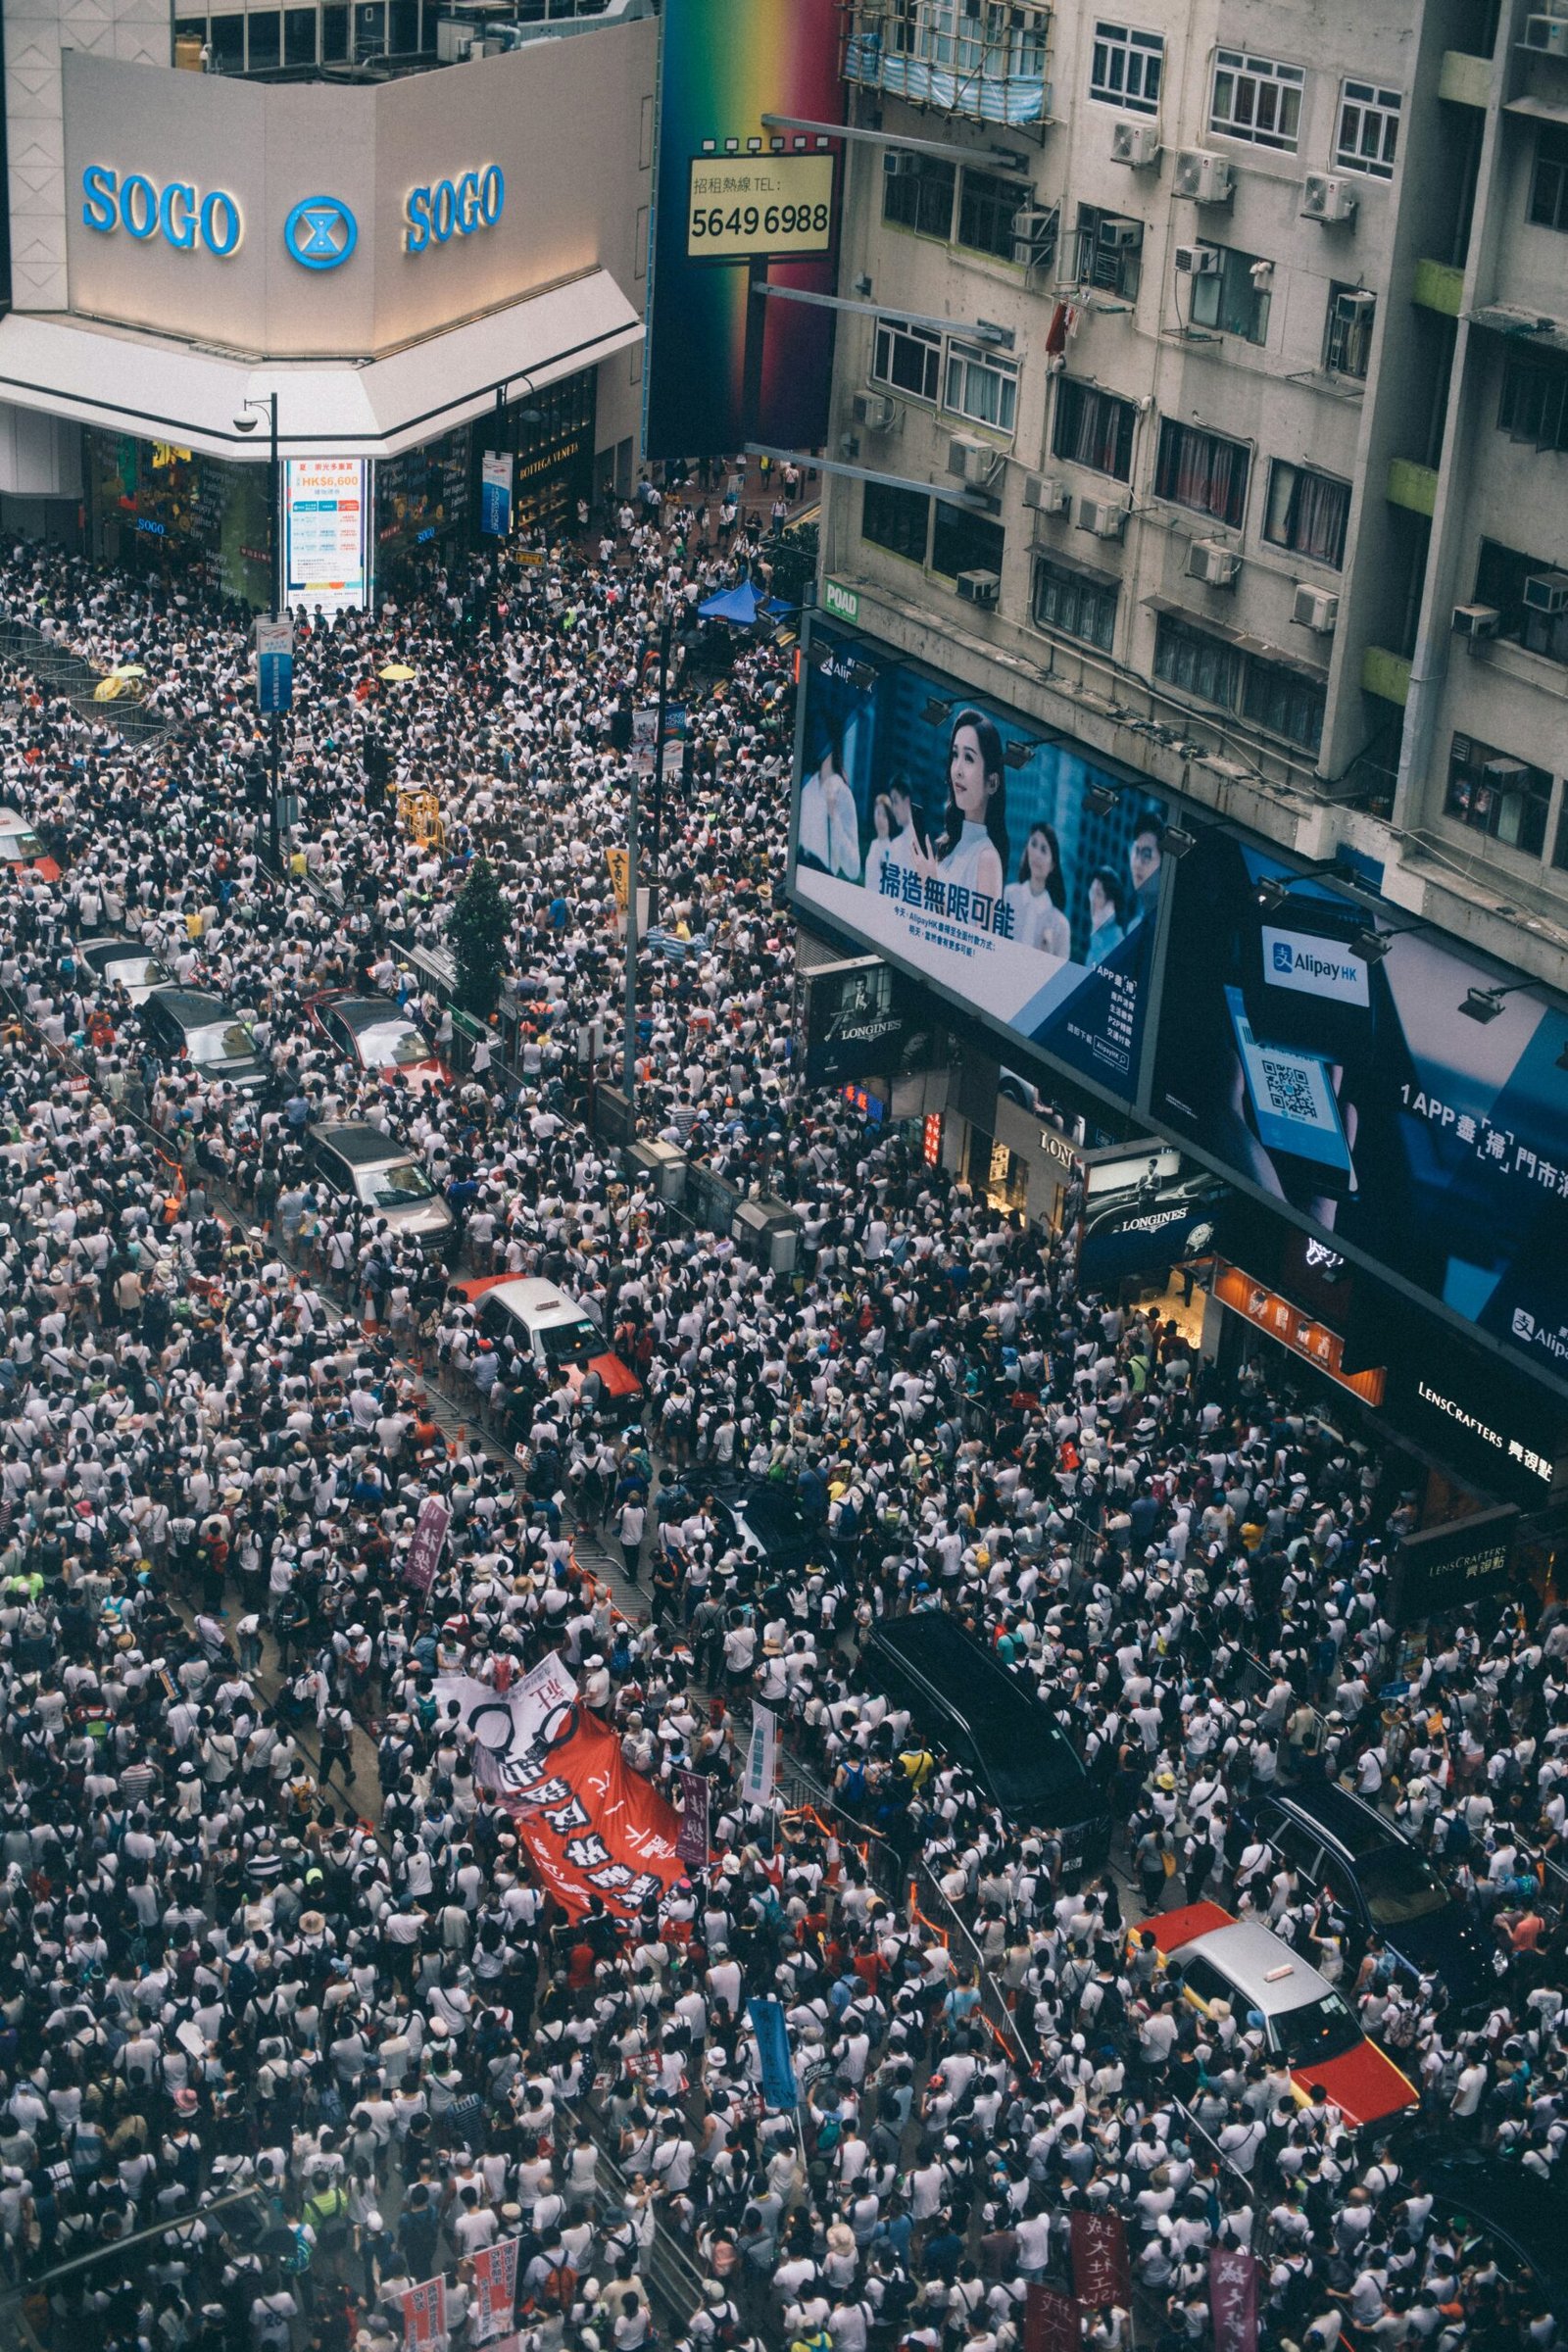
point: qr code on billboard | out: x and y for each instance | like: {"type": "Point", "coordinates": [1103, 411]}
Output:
{"type": "Point", "coordinates": [1290, 1089]}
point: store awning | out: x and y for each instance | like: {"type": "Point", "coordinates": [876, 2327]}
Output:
{"type": "Point", "coordinates": [161, 389]}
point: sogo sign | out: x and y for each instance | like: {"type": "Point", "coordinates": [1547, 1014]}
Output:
{"type": "Point", "coordinates": [319, 233]}
{"type": "Point", "coordinates": [176, 212]}
{"type": "Point", "coordinates": [452, 208]}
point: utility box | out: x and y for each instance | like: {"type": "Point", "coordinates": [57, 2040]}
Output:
{"type": "Point", "coordinates": [666, 1165]}
{"type": "Point", "coordinates": [769, 1232]}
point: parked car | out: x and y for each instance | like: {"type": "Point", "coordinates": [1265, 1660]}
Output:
{"type": "Point", "coordinates": [358, 1162]}
{"type": "Point", "coordinates": [1474, 2190]}
{"type": "Point", "coordinates": [762, 1520]}
{"type": "Point", "coordinates": [557, 1332]}
{"type": "Point", "coordinates": [186, 1023]}
{"type": "Point", "coordinates": [117, 962]}
{"type": "Point", "coordinates": [962, 1697]}
{"type": "Point", "coordinates": [1383, 1884]}
{"type": "Point", "coordinates": [21, 850]}
{"type": "Point", "coordinates": [1307, 2021]}
{"type": "Point", "coordinates": [379, 1037]}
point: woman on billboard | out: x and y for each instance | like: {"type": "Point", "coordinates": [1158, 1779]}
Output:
{"type": "Point", "coordinates": [974, 828]}
{"type": "Point", "coordinates": [1039, 897]}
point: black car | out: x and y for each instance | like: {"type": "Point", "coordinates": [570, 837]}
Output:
{"type": "Point", "coordinates": [964, 1699]}
{"type": "Point", "coordinates": [1516, 2211]}
{"type": "Point", "coordinates": [763, 1521]}
{"type": "Point", "coordinates": [1383, 1884]}
{"type": "Point", "coordinates": [188, 1024]}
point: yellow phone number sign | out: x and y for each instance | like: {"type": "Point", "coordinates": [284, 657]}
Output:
{"type": "Point", "coordinates": [745, 206]}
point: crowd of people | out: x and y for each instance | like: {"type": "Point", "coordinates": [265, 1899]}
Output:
{"type": "Point", "coordinates": [288, 2026]}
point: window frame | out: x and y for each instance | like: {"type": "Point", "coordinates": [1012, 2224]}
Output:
{"type": "Point", "coordinates": [1233, 282]}
{"type": "Point", "coordinates": [1071, 391]}
{"type": "Point", "coordinates": [1112, 269]}
{"type": "Point", "coordinates": [982, 556]}
{"type": "Point", "coordinates": [1261, 76]}
{"type": "Point", "coordinates": [890, 546]}
{"type": "Point", "coordinates": [1527, 379]}
{"type": "Point", "coordinates": [1174, 431]}
{"type": "Point", "coordinates": [1246, 677]}
{"type": "Point", "coordinates": [1468, 759]}
{"type": "Point", "coordinates": [927, 340]}
{"type": "Point", "coordinates": [1061, 578]}
{"type": "Point", "coordinates": [930, 170]}
{"type": "Point", "coordinates": [1278, 470]}
{"type": "Point", "coordinates": [998, 192]}
{"type": "Point", "coordinates": [971, 359]}
{"type": "Point", "coordinates": [1360, 321]}
{"type": "Point", "coordinates": [1533, 631]}
{"type": "Point", "coordinates": [1362, 103]}
{"type": "Point", "coordinates": [1135, 47]}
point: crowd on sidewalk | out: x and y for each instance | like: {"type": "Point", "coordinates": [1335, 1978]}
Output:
{"type": "Point", "coordinates": [231, 1964]}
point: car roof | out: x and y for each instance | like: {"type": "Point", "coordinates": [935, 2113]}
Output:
{"type": "Point", "coordinates": [192, 1008]}
{"type": "Point", "coordinates": [371, 1012]}
{"type": "Point", "coordinates": [1356, 1826]}
{"type": "Point", "coordinates": [1262, 1969]}
{"type": "Point", "coordinates": [14, 816]}
{"type": "Point", "coordinates": [360, 1145]}
{"type": "Point", "coordinates": [534, 1300]}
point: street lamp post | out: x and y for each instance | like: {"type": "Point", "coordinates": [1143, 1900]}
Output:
{"type": "Point", "coordinates": [246, 423]}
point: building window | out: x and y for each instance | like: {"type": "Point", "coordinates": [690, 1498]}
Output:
{"type": "Point", "coordinates": [1094, 428]}
{"type": "Point", "coordinates": [1369, 129]}
{"type": "Point", "coordinates": [264, 34]}
{"type": "Point", "coordinates": [1501, 577]}
{"type": "Point", "coordinates": [1204, 471]}
{"type": "Point", "coordinates": [1549, 185]}
{"type": "Point", "coordinates": [908, 357]}
{"type": "Point", "coordinates": [1347, 332]}
{"type": "Point", "coordinates": [1266, 694]}
{"type": "Point", "coordinates": [1110, 252]}
{"type": "Point", "coordinates": [897, 519]}
{"type": "Point", "coordinates": [1307, 513]}
{"type": "Point", "coordinates": [986, 213]}
{"type": "Point", "coordinates": [1494, 794]}
{"type": "Point", "coordinates": [1535, 403]}
{"type": "Point", "coordinates": [1126, 68]}
{"type": "Point", "coordinates": [1231, 298]}
{"type": "Point", "coordinates": [1257, 100]}
{"type": "Point", "coordinates": [299, 36]}
{"type": "Point", "coordinates": [961, 541]}
{"type": "Point", "coordinates": [1077, 607]}
{"type": "Point", "coordinates": [919, 196]}
{"type": "Point", "coordinates": [977, 387]}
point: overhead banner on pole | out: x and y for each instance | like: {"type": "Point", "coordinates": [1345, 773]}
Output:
{"type": "Point", "coordinates": [275, 667]}
{"type": "Point", "coordinates": [779, 2087]}
{"type": "Point", "coordinates": [761, 1757]}
{"type": "Point", "coordinates": [495, 494]}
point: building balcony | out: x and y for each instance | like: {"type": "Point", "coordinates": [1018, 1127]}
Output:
{"type": "Point", "coordinates": [1439, 287]}
{"type": "Point", "coordinates": [1413, 487]}
{"type": "Point", "coordinates": [989, 68]}
{"type": "Point", "coordinates": [1465, 80]}
{"type": "Point", "coordinates": [1386, 675]}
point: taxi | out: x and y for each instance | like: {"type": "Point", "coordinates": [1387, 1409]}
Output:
{"type": "Point", "coordinates": [1307, 2021]}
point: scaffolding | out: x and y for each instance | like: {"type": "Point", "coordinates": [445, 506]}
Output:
{"type": "Point", "coordinates": [981, 58]}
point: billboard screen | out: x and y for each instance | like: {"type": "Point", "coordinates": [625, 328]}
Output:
{"type": "Point", "coordinates": [1355, 1087]}
{"type": "Point", "coordinates": [857, 1019]}
{"type": "Point", "coordinates": [735, 203]}
{"type": "Point", "coordinates": [325, 507]}
{"type": "Point", "coordinates": [1015, 875]}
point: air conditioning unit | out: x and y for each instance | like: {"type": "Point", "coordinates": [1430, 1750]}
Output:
{"type": "Point", "coordinates": [1034, 233]}
{"type": "Point", "coordinates": [1315, 608]}
{"type": "Point", "coordinates": [899, 163]}
{"type": "Point", "coordinates": [1120, 236]}
{"type": "Point", "coordinates": [1505, 775]}
{"type": "Point", "coordinates": [1102, 517]}
{"type": "Point", "coordinates": [1214, 563]}
{"type": "Point", "coordinates": [1547, 592]}
{"type": "Point", "coordinates": [1327, 199]}
{"type": "Point", "coordinates": [1547, 34]}
{"type": "Point", "coordinates": [875, 410]}
{"type": "Point", "coordinates": [1135, 143]}
{"type": "Point", "coordinates": [1202, 177]}
{"type": "Point", "coordinates": [1198, 261]}
{"type": "Point", "coordinates": [975, 463]}
{"type": "Point", "coordinates": [979, 587]}
{"type": "Point", "coordinates": [1047, 493]}
{"type": "Point", "coordinates": [1476, 621]}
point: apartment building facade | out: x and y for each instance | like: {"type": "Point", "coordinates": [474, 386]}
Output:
{"type": "Point", "coordinates": [1241, 370]}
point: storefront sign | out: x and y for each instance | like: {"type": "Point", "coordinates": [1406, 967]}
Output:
{"type": "Point", "coordinates": [852, 1019]}
{"type": "Point", "coordinates": [177, 212]}
{"type": "Point", "coordinates": [495, 494]}
{"type": "Point", "coordinates": [452, 208]}
{"type": "Point", "coordinates": [1449, 1567]}
{"type": "Point", "coordinates": [1296, 1330]}
{"type": "Point", "coordinates": [321, 233]}
{"type": "Point", "coordinates": [324, 532]}
{"type": "Point", "coordinates": [1497, 1429]}
{"type": "Point", "coordinates": [275, 667]}
{"type": "Point", "coordinates": [842, 604]}
{"type": "Point", "coordinates": [742, 205]}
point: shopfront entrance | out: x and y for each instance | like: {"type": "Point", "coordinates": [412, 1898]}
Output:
{"type": "Point", "coordinates": [551, 434]}
{"type": "Point", "coordinates": [155, 507]}
{"type": "Point", "coordinates": [423, 501]}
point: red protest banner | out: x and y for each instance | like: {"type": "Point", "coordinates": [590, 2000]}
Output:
{"type": "Point", "coordinates": [424, 2315]}
{"type": "Point", "coordinates": [1050, 2321]}
{"type": "Point", "coordinates": [495, 2291]}
{"type": "Point", "coordinates": [1100, 2268]}
{"type": "Point", "coordinates": [1232, 2298]}
{"type": "Point", "coordinates": [426, 1544]}
{"type": "Point", "coordinates": [589, 1824]}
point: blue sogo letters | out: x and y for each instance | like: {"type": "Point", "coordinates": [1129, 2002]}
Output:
{"type": "Point", "coordinates": [177, 212]}
{"type": "Point", "coordinates": [450, 208]}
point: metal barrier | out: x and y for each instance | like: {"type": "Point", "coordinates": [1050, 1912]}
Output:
{"type": "Point", "coordinates": [60, 671]}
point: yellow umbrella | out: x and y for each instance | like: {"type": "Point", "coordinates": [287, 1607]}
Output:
{"type": "Point", "coordinates": [397, 671]}
{"type": "Point", "coordinates": [128, 670]}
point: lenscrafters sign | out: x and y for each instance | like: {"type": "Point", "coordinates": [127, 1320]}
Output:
{"type": "Point", "coordinates": [1447, 1568]}
{"type": "Point", "coordinates": [854, 1020]}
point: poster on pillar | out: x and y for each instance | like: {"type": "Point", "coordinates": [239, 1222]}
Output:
{"type": "Point", "coordinates": [741, 206]}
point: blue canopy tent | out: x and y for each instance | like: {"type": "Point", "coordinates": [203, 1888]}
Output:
{"type": "Point", "coordinates": [737, 605]}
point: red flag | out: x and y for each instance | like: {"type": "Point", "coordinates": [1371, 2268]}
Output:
{"type": "Point", "coordinates": [1232, 2298]}
{"type": "Point", "coordinates": [1050, 2320]}
{"type": "Point", "coordinates": [1100, 2268]}
{"type": "Point", "coordinates": [425, 2314]}
{"type": "Point", "coordinates": [592, 1826]}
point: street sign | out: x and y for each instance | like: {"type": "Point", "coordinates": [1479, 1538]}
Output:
{"type": "Point", "coordinates": [842, 604]}
{"type": "Point", "coordinates": [275, 667]}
